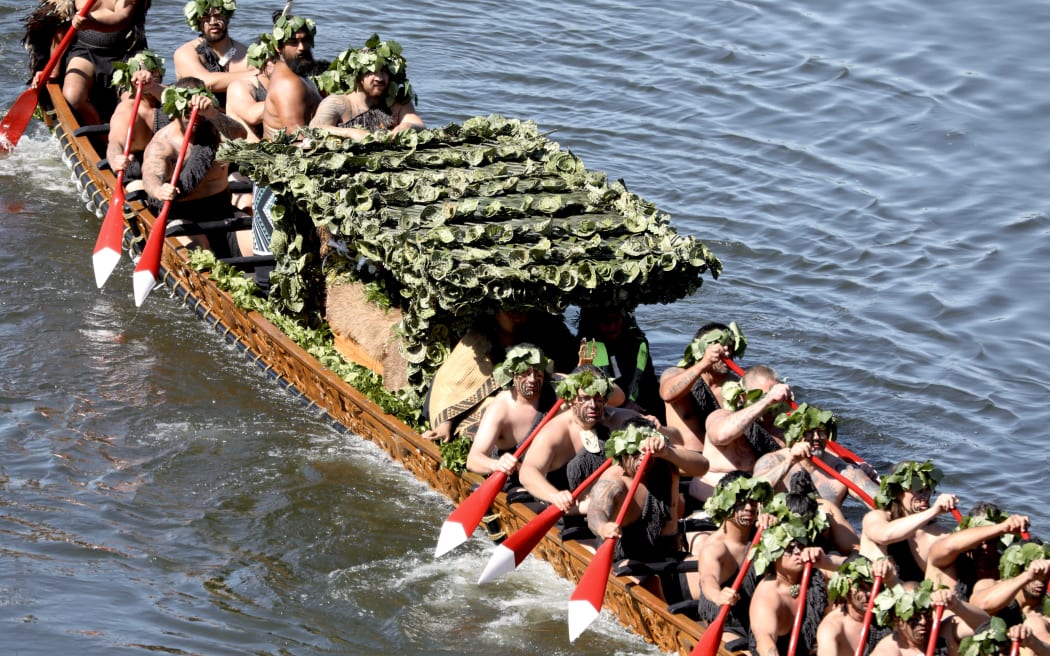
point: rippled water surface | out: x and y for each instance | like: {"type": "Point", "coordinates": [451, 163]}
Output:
{"type": "Point", "coordinates": [871, 174]}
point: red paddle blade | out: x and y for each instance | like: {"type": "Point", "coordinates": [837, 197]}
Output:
{"type": "Point", "coordinates": [711, 640]}
{"type": "Point", "coordinates": [514, 549]}
{"type": "Point", "coordinates": [14, 123]}
{"type": "Point", "coordinates": [110, 237]}
{"type": "Point", "coordinates": [589, 595]}
{"type": "Point", "coordinates": [463, 520]}
{"type": "Point", "coordinates": [148, 268]}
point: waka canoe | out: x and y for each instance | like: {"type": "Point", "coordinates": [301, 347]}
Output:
{"type": "Point", "coordinates": [303, 376]}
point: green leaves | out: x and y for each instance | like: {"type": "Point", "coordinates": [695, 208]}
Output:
{"type": "Point", "coordinates": [1018, 557]}
{"type": "Point", "coordinates": [986, 642]}
{"type": "Point", "coordinates": [909, 475]}
{"type": "Point", "coordinates": [175, 101]}
{"type": "Point", "coordinates": [197, 9]}
{"type": "Point", "coordinates": [143, 60]}
{"type": "Point", "coordinates": [899, 603]}
{"type": "Point", "coordinates": [628, 441]}
{"type": "Point", "coordinates": [723, 503]}
{"type": "Point", "coordinates": [733, 339]}
{"type": "Point", "coordinates": [592, 382]}
{"type": "Point", "coordinates": [519, 360]}
{"type": "Point", "coordinates": [348, 67]}
{"type": "Point", "coordinates": [847, 575]}
{"type": "Point", "coordinates": [803, 419]}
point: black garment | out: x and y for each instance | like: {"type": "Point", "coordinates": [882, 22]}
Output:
{"type": "Point", "coordinates": [642, 539]}
{"type": "Point", "coordinates": [586, 463]}
{"type": "Point", "coordinates": [816, 603]}
{"type": "Point", "coordinates": [704, 401]}
{"type": "Point", "coordinates": [376, 118]}
{"type": "Point", "coordinates": [738, 621]}
{"type": "Point", "coordinates": [212, 63]}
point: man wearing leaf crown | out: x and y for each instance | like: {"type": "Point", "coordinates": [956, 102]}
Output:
{"type": "Point", "coordinates": [650, 526]}
{"type": "Point", "coordinates": [1018, 592]}
{"type": "Point", "coordinates": [903, 523]}
{"type": "Point", "coordinates": [213, 56]}
{"type": "Point", "coordinates": [734, 507]}
{"type": "Point", "coordinates": [367, 90]}
{"type": "Point", "coordinates": [996, 637]}
{"type": "Point", "coordinates": [692, 389]}
{"type": "Point", "coordinates": [973, 548]}
{"type": "Point", "coordinates": [807, 431]}
{"type": "Point", "coordinates": [145, 68]}
{"type": "Point", "coordinates": [780, 558]}
{"type": "Point", "coordinates": [908, 609]}
{"type": "Point", "coordinates": [736, 433]}
{"type": "Point", "coordinates": [202, 189]}
{"type": "Point", "coordinates": [514, 411]}
{"type": "Point", "coordinates": [571, 445]}
{"type": "Point", "coordinates": [292, 97]}
{"type": "Point", "coordinates": [849, 590]}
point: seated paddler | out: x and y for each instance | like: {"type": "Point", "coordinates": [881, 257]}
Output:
{"type": "Point", "coordinates": [145, 69]}
{"type": "Point", "coordinates": [649, 531]}
{"type": "Point", "coordinates": [525, 397]}
{"type": "Point", "coordinates": [572, 445]}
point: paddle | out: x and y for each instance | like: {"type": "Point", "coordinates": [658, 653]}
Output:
{"type": "Point", "coordinates": [463, 520]}
{"type": "Point", "coordinates": [834, 447]}
{"type": "Point", "coordinates": [869, 612]}
{"type": "Point", "coordinates": [800, 610]}
{"type": "Point", "coordinates": [508, 555]}
{"type": "Point", "coordinates": [853, 487]}
{"type": "Point", "coordinates": [17, 118]}
{"type": "Point", "coordinates": [711, 640]}
{"type": "Point", "coordinates": [111, 235]}
{"type": "Point", "coordinates": [931, 646]}
{"type": "Point", "coordinates": [1015, 647]}
{"type": "Point", "coordinates": [586, 601]}
{"type": "Point", "coordinates": [148, 267]}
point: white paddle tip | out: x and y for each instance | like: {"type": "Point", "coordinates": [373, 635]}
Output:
{"type": "Point", "coordinates": [581, 614]}
{"type": "Point", "coordinates": [104, 261]}
{"type": "Point", "coordinates": [501, 562]}
{"type": "Point", "coordinates": [452, 535]}
{"type": "Point", "coordinates": [144, 282]}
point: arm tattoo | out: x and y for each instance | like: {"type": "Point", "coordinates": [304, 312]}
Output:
{"type": "Point", "coordinates": [229, 127]}
{"type": "Point", "coordinates": [602, 503]}
{"type": "Point", "coordinates": [155, 168]}
{"type": "Point", "coordinates": [775, 467]}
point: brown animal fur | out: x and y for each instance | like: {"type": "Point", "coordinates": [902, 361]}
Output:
{"type": "Point", "coordinates": [351, 315]}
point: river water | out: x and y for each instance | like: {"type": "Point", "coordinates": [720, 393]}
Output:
{"type": "Point", "coordinates": [872, 175]}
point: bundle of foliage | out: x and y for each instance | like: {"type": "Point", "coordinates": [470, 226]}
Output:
{"type": "Point", "coordinates": [452, 223]}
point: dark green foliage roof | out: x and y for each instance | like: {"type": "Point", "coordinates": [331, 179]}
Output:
{"type": "Point", "coordinates": [466, 219]}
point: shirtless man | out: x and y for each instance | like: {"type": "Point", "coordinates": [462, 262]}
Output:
{"type": "Point", "coordinates": [1016, 592]}
{"type": "Point", "coordinates": [807, 430]}
{"type": "Point", "coordinates": [650, 526]}
{"type": "Point", "coordinates": [692, 389]}
{"type": "Point", "coordinates": [979, 545]}
{"type": "Point", "coordinates": [849, 590]}
{"type": "Point", "coordinates": [902, 525]}
{"type": "Point", "coordinates": [572, 437]}
{"type": "Point", "coordinates": [775, 601]}
{"type": "Point", "coordinates": [202, 191]}
{"type": "Point", "coordinates": [513, 413]}
{"type": "Point", "coordinates": [727, 446]}
{"type": "Point", "coordinates": [908, 609]}
{"type": "Point", "coordinates": [147, 69]}
{"type": "Point", "coordinates": [246, 97]}
{"type": "Point", "coordinates": [381, 99]}
{"type": "Point", "coordinates": [112, 31]}
{"type": "Point", "coordinates": [214, 56]}
{"type": "Point", "coordinates": [734, 506]}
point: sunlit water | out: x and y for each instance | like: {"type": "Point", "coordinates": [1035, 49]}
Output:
{"type": "Point", "coordinates": [871, 174]}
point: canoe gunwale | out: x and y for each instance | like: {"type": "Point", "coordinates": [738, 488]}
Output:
{"type": "Point", "coordinates": [349, 411]}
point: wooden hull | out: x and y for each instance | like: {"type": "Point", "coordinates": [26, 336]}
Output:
{"type": "Point", "coordinates": [297, 371]}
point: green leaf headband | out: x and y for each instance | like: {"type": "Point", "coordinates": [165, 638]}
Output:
{"type": "Point", "coordinates": [587, 381]}
{"type": "Point", "coordinates": [987, 642]}
{"type": "Point", "coordinates": [988, 516]}
{"type": "Point", "coordinates": [285, 27]}
{"type": "Point", "coordinates": [732, 338]}
{"type": "Point", "coordinates": [813, 525]}
{"type": "Point", "coordinates": [849, 573]}
{"type": "Point", "coordinates": [262, 51]}
{"type": "Point", "coordinates": [195, 10]}
{"type": "Point", "coordinates": [775, 541]}
{"type": "Point", "coordinates": [628, 441]}
{"type": "Point", "coordinates": [721, 504]}
{"type": "Point", "coordinates": [804, 419]}
{"type": "Point", "coordinates": [520, 359]}
{"type": "Point", "coordinates": [376, 55]}
{"type": "Point", "coordinates": [735, 397]}
{"type": "Point", "coordinates": [909, 475]}
{"type": "Point", "coordinates": [896, 602]}
{"type": "Point", "coordinates": [1018, 557]}
{"type": "Point", "coordinates": [175, 101]}
{"type": "Point", "coordinates": [143, 60]}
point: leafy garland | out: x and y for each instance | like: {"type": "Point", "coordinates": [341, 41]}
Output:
{"type": "Point", "coordinates": [848, 574]}
{"type": "Point", "coordinates": [899, 603]}
{"type": "Point", "coordinates": [733, 339]}
{"type": "Point", "coordinates": [988, 516]}
{"type": "Point", "coordinates": [175, 101]}
{"type": "Point", "coordinates": [803, 419]}
{"type": "Point", "coordinates": [726, 498]}
{"type": "Point", "coordinates": [195, 10]}
{"type": "Point", "coordinates": [628, 441]}
{"type": "Point", "coordinates": [987, 642]}
{"type": "Point", "coordinates": [345, 70]}
{"type": "Point", "coordinates": [590, 382]}
{"type": "Point", "coordinates": [909, 475]}
{"type": "Point", "coordinates": [1018, 557]}
{"type": "Point", "coordinates": [268, 45]}
{"type": "Point", "coordinates": [519, 360]}
{"type": "Point", "coordinates": [143, 60]}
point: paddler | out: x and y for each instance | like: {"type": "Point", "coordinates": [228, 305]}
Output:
{"type": "Point", "coordinates": [214, 56]}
